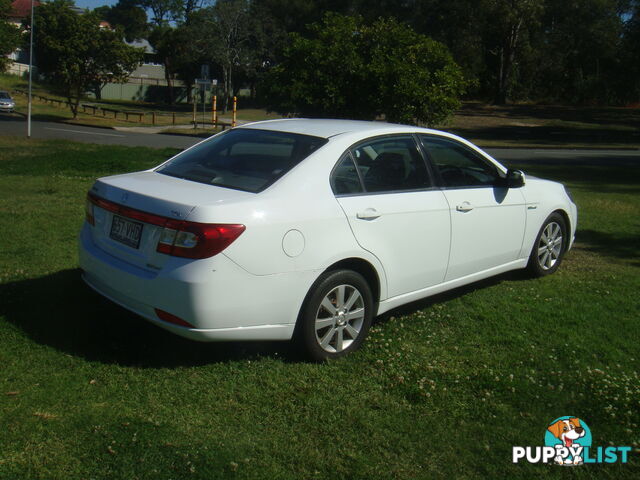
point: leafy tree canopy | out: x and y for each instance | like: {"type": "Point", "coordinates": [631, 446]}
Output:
{"type": "Point", "coordinates": [128, 15]}
{"type": "Point", "coordinates": [10, 37]}
{"type": "Point", "coordinates": [75, 53]}
{"type": "Point", "coordinates": [346, 68]}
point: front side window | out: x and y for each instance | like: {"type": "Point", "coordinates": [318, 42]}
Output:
{"type": "Point", "coordinates": [458, 166]}
{"type": "Point", "coordinates": [391, 164]}
{"type": "Point", "coordinates": [243, 159]}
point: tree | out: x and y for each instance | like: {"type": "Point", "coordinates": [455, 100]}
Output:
{"type": "Point", "coordinates": [510, 21]}
{"type": "Point", "coordinates": [628, 71]}
{"type": "Point", "coordinates": [224, 35]}
{"type": "Point", "coordinates": [10, 37]}
{"type": "Point", "coordinates": [346, 68]}
{"type": "Point", "coordinates": [186, 8]}
{"type": "Point", "coordinates": [128, 15]}
{"type": "Point", "coordinates": [460, 25]}
{"type": "Point", "coordinates": [163, 10]}
{"type": "Point", "coordinates": [578, 51]}
{"type": "Point", "coordinates": [579, 48]}
{"type": "Point", "coordinates": [163, 40]}
{"type": "Point", "coordinates": [174, 45]}
{"type": "Point", "coordinates": [75, 53]}
{"type": "Point", "coordinates": [184, 55]}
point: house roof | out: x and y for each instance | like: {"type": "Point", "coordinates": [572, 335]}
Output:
{"type": "Point", "coordinates": [22, 8]}
{"type": "Point", "coordinates": [142, 43]}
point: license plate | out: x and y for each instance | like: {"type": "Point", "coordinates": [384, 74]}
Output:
{"type": "Point", "coordinates": [125, 231]}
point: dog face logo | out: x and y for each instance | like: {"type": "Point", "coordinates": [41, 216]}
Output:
{"type": "Point", "coordinates": [567, 430]}
{"type": "Point", "coordinates": [568, 435]}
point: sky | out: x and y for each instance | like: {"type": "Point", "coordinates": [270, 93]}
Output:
{"type": "Point", "coordinates": [91, 4]}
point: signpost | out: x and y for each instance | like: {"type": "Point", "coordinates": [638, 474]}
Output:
{"type": "Point", "coordinates": [205, 84]}
{"type": "Point", "coordinates": [204, 72]}
{"type": "Point", "coordinates": [30, 72]}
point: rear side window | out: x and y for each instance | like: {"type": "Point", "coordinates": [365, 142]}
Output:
{"type": "Point", "coordinates": [243, 159]}
{"type": "Point", "coordinates": [344, 178]}
{"type": "Point", "coordinates": [391, 164]}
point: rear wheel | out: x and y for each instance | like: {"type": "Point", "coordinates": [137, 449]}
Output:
{"type": "Point", "coordinates": [550, 246]}
{"type": "Point", "coordinates": [336, 316]}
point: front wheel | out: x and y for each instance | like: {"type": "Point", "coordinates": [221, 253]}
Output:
{"type": "Point", "coordinates": [550, 246]}
{"type": "Point", "coordinates": [336, 316]}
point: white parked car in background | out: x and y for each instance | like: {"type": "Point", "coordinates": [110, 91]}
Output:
{"type": "Point", "coordinates": [308, 229]}
{"type": "Point", "coordinates": [7, 104]}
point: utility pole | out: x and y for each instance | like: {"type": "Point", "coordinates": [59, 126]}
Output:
{"type": "Point", "coordinates": [30, 73]}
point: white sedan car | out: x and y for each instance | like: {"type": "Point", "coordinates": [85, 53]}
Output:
{"type": "Point", "coordinates": [307, 229]}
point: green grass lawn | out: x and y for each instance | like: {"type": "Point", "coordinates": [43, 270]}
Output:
{"type": "Point", "coordinates": [443, 388]}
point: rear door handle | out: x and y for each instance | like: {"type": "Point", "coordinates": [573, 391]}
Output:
{"type": "Point", "coordinates": [368, 214]}
{"type": "Point", "coordinates": [464, 207]}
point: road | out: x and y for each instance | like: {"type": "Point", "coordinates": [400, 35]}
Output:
{"type": "Point", "coordinates": [15, 125]}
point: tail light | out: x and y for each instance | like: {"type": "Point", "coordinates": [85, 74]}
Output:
{"type": "Point", "coordinates": [178, 238]}
{"type": "Point", "coordinates": [197, 240]}
{"type": "Point", "coordinates": [88, 210]}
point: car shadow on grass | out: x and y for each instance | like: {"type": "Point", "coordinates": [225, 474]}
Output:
{"type": "Point", "coordinates": [620, 246]}
{"type": "Point", "coordinates": [60, 311]}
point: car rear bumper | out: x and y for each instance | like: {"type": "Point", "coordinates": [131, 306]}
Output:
{"type": "Point", "coordinates": [217, 297]}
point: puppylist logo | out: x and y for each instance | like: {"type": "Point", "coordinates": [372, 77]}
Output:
{"type": "Point", "coordinates": [568, 442]}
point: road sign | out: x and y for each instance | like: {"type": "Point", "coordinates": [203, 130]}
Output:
{"type": "Point", "coordinates": [203, 83]}
{"type": "Point", "coordinates": [204, 72]}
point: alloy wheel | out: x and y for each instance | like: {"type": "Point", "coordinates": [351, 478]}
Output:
{"type": "Point", "coordinates": [339, 318]}
{"type": "Point", "coordinates": [550, 246]}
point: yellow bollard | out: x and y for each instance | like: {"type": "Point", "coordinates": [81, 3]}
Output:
{"type": "Point", "coordinates": [235, 110]}
{"type": "Point", "coordinates": [214, 111]}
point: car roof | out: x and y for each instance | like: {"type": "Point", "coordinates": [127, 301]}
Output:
{"type": "Point", "coordinates": [327, 128]}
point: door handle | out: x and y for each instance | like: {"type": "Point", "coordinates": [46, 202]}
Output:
{"type": "Point", "coordinates": [368, 214]}
{"type": "Point", "coordinates": [464, 207]}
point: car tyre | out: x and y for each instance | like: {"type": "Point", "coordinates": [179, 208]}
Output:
{"type": "Point", "coordinates": [549, 247]}
{"type": "Point", "coordinates": [336, 315]}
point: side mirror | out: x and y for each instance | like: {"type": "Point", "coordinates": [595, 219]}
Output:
{"type": "Point", "coordinates": [514, 179]}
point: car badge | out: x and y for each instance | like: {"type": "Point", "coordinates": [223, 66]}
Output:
{"type": "Point", "coordinates": [125, 198]}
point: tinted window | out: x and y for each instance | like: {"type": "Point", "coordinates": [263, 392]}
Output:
{"type": "Point", "coordinates": [344, 178]}
{"type": "Point", "coordinates": [391, 164]}
{"type": "Point", "coordinates": [244, 159]}
{"type": "Point", "coordinates": [458, 166]}
{"type": "Point", "coordinates": [4, 95]}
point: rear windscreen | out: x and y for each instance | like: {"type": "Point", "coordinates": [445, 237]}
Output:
{"type": "Point", "coordinates": [244, 159]}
